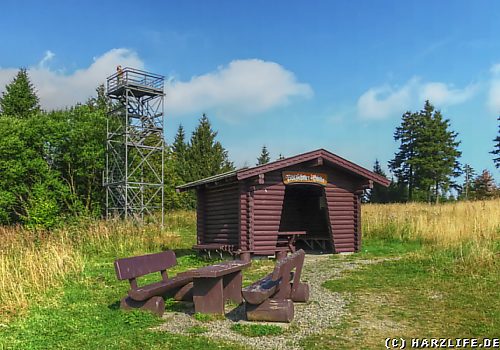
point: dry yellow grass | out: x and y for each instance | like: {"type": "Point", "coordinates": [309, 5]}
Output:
{"type": "Point", "coordinates": [31, 262]}
{"type": "Point", "coordinates": [444, 225]}
{"type": "Point", "coordinates": [470, 231]}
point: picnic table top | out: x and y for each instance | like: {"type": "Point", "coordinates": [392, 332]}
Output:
{"type": "Point", "coordinates": [291, 233]}
{"type": "Point", "coordinates": [218, 270]}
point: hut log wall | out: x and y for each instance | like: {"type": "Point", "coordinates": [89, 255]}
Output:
{"type": "Point", "coordinates": [219, 210]}
{"type": "Point", "coordinates": [267, 207]}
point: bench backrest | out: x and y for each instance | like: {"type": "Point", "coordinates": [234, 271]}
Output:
{"type": "Point", "coordinates": [130, 268]}
{"type": "Point", "coordinates": [283, 270]}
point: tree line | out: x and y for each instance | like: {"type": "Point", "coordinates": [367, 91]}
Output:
{"type": "Point", "coordinates": [426, 165]}
{"type": "Point", "coordinates": [52, 162]}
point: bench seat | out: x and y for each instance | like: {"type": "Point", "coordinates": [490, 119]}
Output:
{"type": "Point", "coordinates": [159, 288]}
{"type": "Point", "coordinates": [261, 290]}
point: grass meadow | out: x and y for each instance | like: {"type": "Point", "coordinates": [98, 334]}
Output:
{"type": "Point", "coordinates": [438, 275]}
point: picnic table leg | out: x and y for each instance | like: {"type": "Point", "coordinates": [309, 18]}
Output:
{"type": "Point", "coordinates": [291, 243]}
{"type": "Point", "coordinates": [280, 254]}
{"type": "Point", "coordinates": [232, 287]}
{"type": "Point", "coordinates": [208, 295]}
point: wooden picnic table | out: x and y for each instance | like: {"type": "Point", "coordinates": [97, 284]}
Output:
{"type": "Point", "coordinates": [213, 285]}
{"type": "Point", "coordinates": [291, 237]}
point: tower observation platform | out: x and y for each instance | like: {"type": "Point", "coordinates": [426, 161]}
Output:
{"type": "Point", "coordinates": [135, 144]}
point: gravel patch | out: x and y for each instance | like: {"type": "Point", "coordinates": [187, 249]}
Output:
{"type": "Point", "coordinates": [324, 309]}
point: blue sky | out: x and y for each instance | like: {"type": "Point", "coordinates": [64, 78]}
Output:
{"type": "Point", "coordinates": [293, 75]}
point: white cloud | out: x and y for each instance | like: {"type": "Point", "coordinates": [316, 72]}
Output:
{"type": "Point", "coordinates": [58, 90]}
{"type": "Point", "coordinates": [383, 101]}
{"type": "Point", "coordinates": [386, 101]}
{"type": "Point", "coordinates": [49, 55]}
{"type": "Point", "coordinates": [238, 89]}
{"type": "Point", "coordinates": [494, 91]}
{"type": "Point", "coordinates": [243, 87]}
{"type": "Point", "coordinates": [442, 94]}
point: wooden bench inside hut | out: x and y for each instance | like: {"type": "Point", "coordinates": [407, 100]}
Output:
{"type": "Point", "coordinates": [310, 201]}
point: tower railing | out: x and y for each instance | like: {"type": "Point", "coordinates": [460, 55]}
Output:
{"type": "Point", "coordinates": [134, 78]}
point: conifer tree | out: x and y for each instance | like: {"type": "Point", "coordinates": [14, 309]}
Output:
{"type": "Point", "coordinates": [428, 155]}
{"type": "Point", "coordinates": [205, 155]}
{"type": "Point", "coordinates": [436, 161]}
{"type": "Point", "coordinates": [496, 149]}
{"type": "Point", "coordinates": [484, 186]}
{"type": "Point", "coordinates": [264, 157]}
{"type": "Point", "coordinates": [179, 149]}
{"type": "Point", "coordinates": [403, 163]}
{"type": "Point", "coordinates": [467, 187]}
{"type": "Point", "coordinates": [379, 193]}
{"type": "Point", "coordinates": [19, 98]}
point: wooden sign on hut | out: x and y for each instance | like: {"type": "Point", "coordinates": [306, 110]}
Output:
{"type": "Point", "coordinates": [309, 201]}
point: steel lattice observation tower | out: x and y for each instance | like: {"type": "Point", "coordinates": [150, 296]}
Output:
{"type": "Point", "coordinates": [135, 144]}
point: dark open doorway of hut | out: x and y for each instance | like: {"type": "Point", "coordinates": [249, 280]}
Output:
{"type": "Point", "coordinates": [305, 209]}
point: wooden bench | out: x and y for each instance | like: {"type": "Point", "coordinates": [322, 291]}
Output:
{"type": "Point", "coordinates": [287, 240]}
{"type": "Point", "coordinates": [313, 242]}
{"type": "Point", "coordinates": [271, 298]}
{"type": "Point", "coordinates": [218, 247]}
{"type": "Point", "coordinates": [150, 296]}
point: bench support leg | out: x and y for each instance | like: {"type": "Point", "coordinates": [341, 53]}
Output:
{"type": "Point", "coordinates": [155, 305]}
{"type": "Point", "coordinates": [232, 287]}
{"type": "Point", "coordinates": [185, 293]}
{"type": "Point", "coordinates": [301, 294]}
{"type": "Point", "coordinates": [245, 256]}
{"type": "Point", "coordinates": [208, 295]}
{"type": "Point", "coordinates": [271, 310]}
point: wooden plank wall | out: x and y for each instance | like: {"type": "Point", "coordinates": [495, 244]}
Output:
{"type": "Point", "coordinates": [357, 203]}
{"type": "Point", "coordinates": [200, 215]}
{"type": "Point", "coordinates": [245, 216]}
{"type": "Point", "coordinates": [267, 206]}
{"type": "Point", "coordinates": [221, 214]}
{"type": "Point", "coordinates": [342, 219]}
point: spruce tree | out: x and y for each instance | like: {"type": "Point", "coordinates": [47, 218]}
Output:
{"type": "Point", "coordinates": [484, 186]}
{"type": "Point", "coordinates": [496, 149]}
{"type": "Point", "coordinates": [205, 155]}
{"type": "Point", "coordinates": [427, 159]}
{"type": "Point", "coordinates": [264, 157]}
{"type": "Point", "coordinates": [436, 161]}
{"type": "Point", "coordinates": [467, 187]}
{"type": "Point", "coordinates": [379, 193]}
{"type": "Point", "coordinates": [19, 98]}
{"type": "Point", "coordinates": [403, 163]}
{"type": "Point", "coordinates": [179, 149]}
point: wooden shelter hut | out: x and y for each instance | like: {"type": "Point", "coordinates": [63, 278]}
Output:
{"type": "Point", "coordinates": [311, 200]}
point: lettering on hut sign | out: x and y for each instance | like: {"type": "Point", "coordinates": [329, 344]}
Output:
{"type": "Point", "coordinates": [290, 177]}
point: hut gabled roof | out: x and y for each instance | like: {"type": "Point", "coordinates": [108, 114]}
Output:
{"type": "Point", "coordinates": [321, 155]}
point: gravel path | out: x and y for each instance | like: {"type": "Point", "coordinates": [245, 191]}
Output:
{"type": "Point", "coordinates": [324, 309]}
